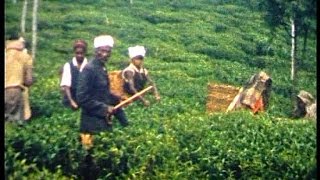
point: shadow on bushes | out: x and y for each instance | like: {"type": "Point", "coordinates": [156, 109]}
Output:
{"type": "Point", "coordinates": [286, 92]}
{"type": "Point", "coordinates": [258, 62]}
{"type": "Point", "coordinates": [40, 110]}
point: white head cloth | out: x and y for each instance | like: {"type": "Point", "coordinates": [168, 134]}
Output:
{"type": "Point", "coordinates": [103, 40]}
{"type": "Point", "coordinates": [136, 51]}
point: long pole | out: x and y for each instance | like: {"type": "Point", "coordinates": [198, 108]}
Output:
{"type": "Point", "coordinates": [132, 98]}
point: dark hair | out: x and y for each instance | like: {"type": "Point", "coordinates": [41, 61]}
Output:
{"type": "Point", "coordinates": [14, 35]}
{"type": "Point", "coordinates": [26, 44]}
{"type": "Point", "coordinates": [138, 57]}
{"type": "Point", "coordinates": [80, 44]}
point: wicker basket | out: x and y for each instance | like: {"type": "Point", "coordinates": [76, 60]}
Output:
{"type": "Point", "coordinates": [220, 96]}
{"type": "Point", "coordinates": [116, 84]}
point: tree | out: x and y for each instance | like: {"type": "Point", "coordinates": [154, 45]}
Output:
{"type": "Point", "coordinates": [34, 28]}
{"type": "Point", "coordinates": [23, 17]}
{"type": "Point", "coordinates": [296, 17]}
{"type": "Point", "coordinates": [309, 25]}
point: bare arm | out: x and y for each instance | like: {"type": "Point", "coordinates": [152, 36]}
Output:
{"type": "Point", "coordinates": [155, 90]}
{"type": "Point", "coordinates": [28, 79]}
{"type": "Point", "coordinates": [66, 90]}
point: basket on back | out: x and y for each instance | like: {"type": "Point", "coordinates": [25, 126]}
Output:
{"type": "Point", "coordinates": [220, 96]}
{"type": "Point", "coordinates": [116, 84]}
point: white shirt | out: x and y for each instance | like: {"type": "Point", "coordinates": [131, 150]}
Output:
{"type": "Point", "coordinates": [66, 74]}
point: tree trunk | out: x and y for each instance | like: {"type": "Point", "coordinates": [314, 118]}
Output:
{"type": "Point", "coordinates": [23, 17]}
{"type": "Point", "coordinates": [34, 28]}
{"type": "Point", "coordinates": [293, 52]}
{"type": "Point", "coordinates": [131, 1]}
{"type": "Point", "coordinates": [305, 38]}
{"type": "Point", "coordinates": [293, 64]}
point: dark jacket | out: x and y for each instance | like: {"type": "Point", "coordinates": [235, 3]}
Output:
{"type": "Point", "coordinates": [93, 94]}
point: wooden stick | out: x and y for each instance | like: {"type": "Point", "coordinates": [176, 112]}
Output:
{"type": "Point", "coordinates": [132, 98]}
{"type": "Point", "coordinates": [234, 101]}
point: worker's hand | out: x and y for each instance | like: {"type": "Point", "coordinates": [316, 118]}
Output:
{"type": "Point", "coordinates": [74, 105]}
{"type": "Point", "coordinates": [124, 98]}
{"type": "Point", "coordinates": [158, 97]}
{"type": "Point", "coordinates": [109, 110]}
{"type": "Point", "coordinates": [146, 103]}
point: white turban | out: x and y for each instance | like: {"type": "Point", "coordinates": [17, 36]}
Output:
{"type": "Point", "coordinates": [103, 40]}
{"type": "Point", "coordinates": [22, 39]}
{"type": "Point", "coordinates": [136, 51]}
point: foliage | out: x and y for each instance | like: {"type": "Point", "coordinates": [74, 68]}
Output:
{"type": "Point", "coordinates": [285, 14]}
{"type": "Point", "coordinates": [279, 12]}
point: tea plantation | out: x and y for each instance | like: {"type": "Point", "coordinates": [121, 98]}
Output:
{"type": "Point", "coordinates": [189, 44]}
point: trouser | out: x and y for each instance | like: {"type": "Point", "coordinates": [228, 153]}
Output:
{"type": "Point", "coordinates": [119, 113]}
{"type": "Point", "coordinates": [87, 138]}
{"type": "Point", "coordinates": [14, 105]}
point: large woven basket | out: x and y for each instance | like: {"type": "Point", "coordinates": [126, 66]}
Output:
{"type": "Point", "coordinates": [116, 84]}
{"type": "Point", "coordinates": [220, 96]}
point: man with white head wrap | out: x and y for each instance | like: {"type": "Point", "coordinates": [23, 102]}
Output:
{"type": "Point", "coordinates": [136, 76]}
{"type": "Point", "coordinates": [94, 96]}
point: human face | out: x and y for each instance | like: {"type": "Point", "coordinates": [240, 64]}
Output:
{"type": "Point", "coordinates": [79, 54]}
{"type": "Point", "coordinates": [138, 61]}
{"type": "Point", "coordinates": [103, 53]}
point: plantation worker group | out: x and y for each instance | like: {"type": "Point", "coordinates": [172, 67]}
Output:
{"type": "Point", "coordinates": [86, 85]}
